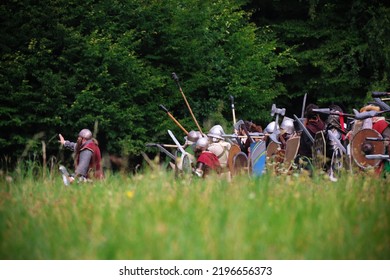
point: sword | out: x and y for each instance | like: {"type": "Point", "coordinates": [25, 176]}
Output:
{"type": "Point", "coordinates": [162, 149]}
{"type": "Point", "coordinates": [180, 147]}
{"type": "Point", "coordinates": [304, 129]}
{"type": "Point", "coordinates": [184, 154]}
{"type": "Point", "coordinates": [333, 138]}
{"type": "Point", "coordinates": [303, 106]}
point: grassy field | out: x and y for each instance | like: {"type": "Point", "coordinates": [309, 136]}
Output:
{"type": "Point", "coordinates": [155, 216]}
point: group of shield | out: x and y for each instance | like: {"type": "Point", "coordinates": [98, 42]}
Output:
{"type": "Point", "coordinates": [366, 148]}
{"type": "Point", "coordinates": [265, 148]}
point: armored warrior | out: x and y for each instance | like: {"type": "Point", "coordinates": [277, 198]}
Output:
{"type": "Point", "coordinates": [379, 123]}
{"type": "Point", "coordinates": [335, 137]}
{"type": "Point", "coordinates": [287, 128]}
{"type": "Point", "coordinates": [190, 141]}
{"type": "Point", "coordinates": [270, 128]}
{"type": "Point", "coordinates": [207, 161]}
{"type": "Point", "coordinates": [313, 124]}
{"type": "Point", "coordinates": [381, 126]}
{"type": "Point", "coordinates": [250, 127]}
{"type": "Point", "coordinates": [218, 145]}
{"type": "Point", "coordinates": [87, 157]}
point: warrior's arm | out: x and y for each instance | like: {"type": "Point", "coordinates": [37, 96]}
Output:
{"type": "Point", "coordinates": [199, 169]}
{"type": "Point", "coordinates": [70, 145]}
{"type": "Point", "coordinates": [83, 165]}
{"type": "Point", "coordinates": [67, 144]}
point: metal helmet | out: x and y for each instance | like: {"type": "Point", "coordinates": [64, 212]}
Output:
{"type": "Point", "coordinates": [270, 127]}
{"type": "Point", "coordinates": [193, 136]}
{"type": "Point", "coordinates": [287, 125]}
{"type": "Point", "coordinates": [216, 132]}
{"type": "Point", "coordinates": [85, 133]}
{"type": "Point", "coordinates": [202, 143]}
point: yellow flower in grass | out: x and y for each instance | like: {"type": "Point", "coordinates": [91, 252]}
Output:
{"type": "Point", "coordinates": [130, 194]}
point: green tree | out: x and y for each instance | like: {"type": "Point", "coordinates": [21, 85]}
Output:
{"type": "Point", "coordinates": [340, 48]}
{"type": "Point", "coordinates": [66, 65]}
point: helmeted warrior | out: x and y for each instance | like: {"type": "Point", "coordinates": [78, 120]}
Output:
{"type": "Point", "coordinates": [313, 124]}
{"type": "Point", "coordinates": [207, 161]}
{"type": "Point", "coordinates": [335, 136]}
{"type": "Point", "coordinates": [190, 141]}
{"type": "Point", "coordinates": [379, 123]}
{"type": "Point", "coordinates": [287, 127]}
{"type": "Point", "coordinates": [270, 127]}
{"type": "Point", "coordinates": [191, 138]}
{"type": "Point", "coordinates": [87, 160]}
{"type": "Point", "coordinates": [251, 127]}
{"type": "Point", "coordinates": [218, 145]}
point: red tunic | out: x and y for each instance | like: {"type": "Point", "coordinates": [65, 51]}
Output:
{"type": "Point", "coordinates": [380, 126]}
{"type": "Point", "coordinates": [209, 159]}
{"type": "Point", "coordinates": [95, 163]}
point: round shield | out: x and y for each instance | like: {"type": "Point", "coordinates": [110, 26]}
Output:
{"type": "Point", "coordinates": [360, 147]}
{"type": "Point", "coordinates": [356, 127]}
{"type": "Point", "coordinates": [292, 147]}
{"type": "Point", "coordinates": [234, 149]}
{"type": "Point", "coordinates": [272, 149]}
{"type": "Point", "coordinates": [319, 150]}
{"type": "Point", "coordinates": [240, 164]}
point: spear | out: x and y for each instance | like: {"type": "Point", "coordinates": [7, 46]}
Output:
{"type": "Point", "coordinates": [176, 79]}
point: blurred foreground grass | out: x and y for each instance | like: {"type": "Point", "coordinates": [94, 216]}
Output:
{"type": "Point", "coordinates": [155, 216]}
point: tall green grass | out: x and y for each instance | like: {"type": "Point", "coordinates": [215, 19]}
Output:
{"type": "Point", "coordinates": [155, 216]}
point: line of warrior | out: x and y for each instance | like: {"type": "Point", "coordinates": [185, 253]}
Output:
{"type": "Point", "coordinates": [325, 139]}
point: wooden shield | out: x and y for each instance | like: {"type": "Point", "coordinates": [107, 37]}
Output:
{"type": "Point", "coordinates": [360, 147]}
{"type": "Point", "coordinates": [258, 157]}
{"type": "Point", "coordinates": [186, 164]}
{"type": "Point", "coordinates": [292, 147]}
{"type": "Point", "coordinates": [240, 164]}
{"type": "Point", "coordinates": [272, 149]}
{"type": "Point", "coordinates": [319, 150]}
{"type": "Point", "coordinates": [234, 150]}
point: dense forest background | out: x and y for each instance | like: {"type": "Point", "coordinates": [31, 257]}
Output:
{"type": "Point", "coordinates": [106, 65]}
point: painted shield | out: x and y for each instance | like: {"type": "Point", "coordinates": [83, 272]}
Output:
{"type": "Point", "coordinates": [360, 147]}
{"type": "Point", "coordinates": [240, 164]}
{"type": "Point", "coordinates": [292, 147]}
{"type": "Point", "coordinates": [272, 149]}
{"type": "Point", "coordinates": [319, 150]}
{"type": "Point", "coordinates": [258, 157]}
{"type": "Point", "coordinates": [234, 150]}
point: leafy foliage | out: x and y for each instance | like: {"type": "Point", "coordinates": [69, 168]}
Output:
{"type": "Point", "coordinates": [340, 48]}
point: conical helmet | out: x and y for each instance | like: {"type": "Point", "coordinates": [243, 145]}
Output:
{"type": "Point", "coordinates": [216, 132]}
{"type": "Point", "coordinates": [202, 143]}
{"type": "Point", "coordinates": [193, 136]}
{"type": "Point", "coordinates": [270, 127]}
{"type": "Point", "coordinates": [287, 125]}
{"type": "Point", "coordinates": [85, 133]}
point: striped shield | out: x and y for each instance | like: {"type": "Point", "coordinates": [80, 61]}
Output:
{"type": "Point", "coordinates": [258, 157]}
